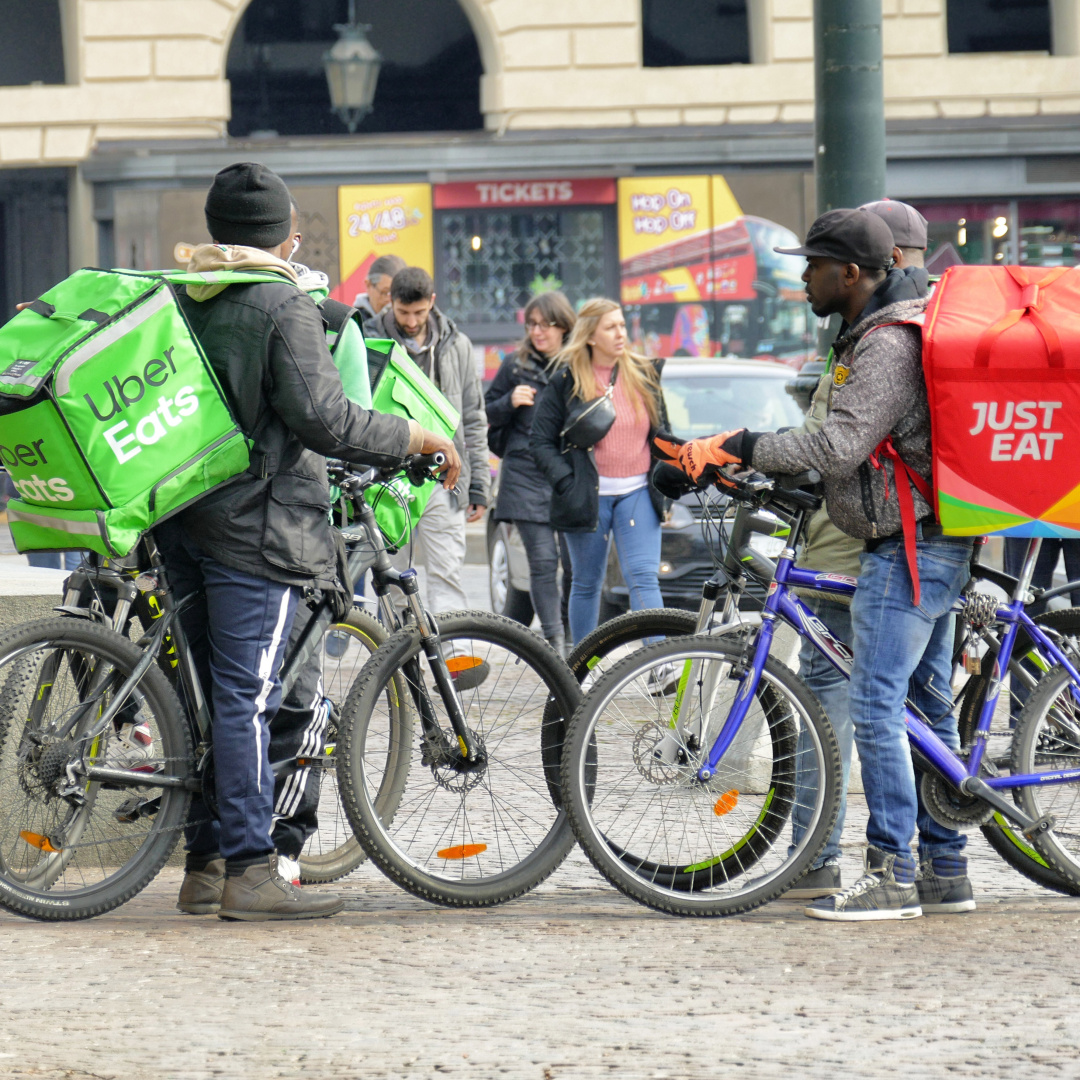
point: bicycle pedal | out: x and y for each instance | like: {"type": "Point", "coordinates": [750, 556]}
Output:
{"type": "Point", "coordinates": [134, 808]}
{"type": "Point", "coordinates": [1040, 825]}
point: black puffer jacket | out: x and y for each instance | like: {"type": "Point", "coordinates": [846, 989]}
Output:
{"type": "Point", "coordinates": [267, 344]}
{"type": "Point", "coordinates": [575, 503]}
{"type": "Point", "coordinates": [524, 493]}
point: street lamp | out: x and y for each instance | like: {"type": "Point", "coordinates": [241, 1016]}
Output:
{"type": "Point", "coordinates": [352, 70]}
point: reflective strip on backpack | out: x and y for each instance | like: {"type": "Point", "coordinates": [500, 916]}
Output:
{"type": "Point", "coordinates": [79, 528]}
{"type": "Point", "coordinates": [160, 300]}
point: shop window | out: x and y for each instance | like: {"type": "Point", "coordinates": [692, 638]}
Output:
{"type": "Point", "coordinates": [492, 262]}
{"type": "Point", "coordinates": [980, 26]}
{"type": "Point", "coordinates": [31, 42]}
{"type": "Point", "coordinates": [429, 80]}
{"type": "Point", "coordinates": [679, 33]}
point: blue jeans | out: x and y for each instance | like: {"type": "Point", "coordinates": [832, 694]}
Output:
{"type": "Point", "coordinates": [900, 649]}
{"type": "Point", "coordinates": [831, 689]}
{"type": "Point", "coordinates": [634, 523]}
{"type": "Point", "coordinates": [237, 629]}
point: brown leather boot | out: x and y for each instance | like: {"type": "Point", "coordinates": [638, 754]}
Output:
{"type": "Point", "coordinates": [261, 894]}
{"type": "Point", "coordinates": [200, 894]}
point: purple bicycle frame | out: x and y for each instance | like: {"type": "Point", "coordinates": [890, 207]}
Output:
{"type": "Point", "coordinates": [780, 602]}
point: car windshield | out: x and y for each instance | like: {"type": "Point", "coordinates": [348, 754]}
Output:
{"type": "Point", "coordinates": [700, 405]}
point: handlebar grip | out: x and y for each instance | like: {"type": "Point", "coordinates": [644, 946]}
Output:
{"type": "Point", "coordinates": [797, 480]}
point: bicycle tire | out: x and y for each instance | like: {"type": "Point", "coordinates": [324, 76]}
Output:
{"type": "Point", "coordinates": [1047, 739]}
{"type": "Point", "coordinates": [65, 857]}
{"type": "Point", "coordinates": [590, 656]}
{"type": "Point", "coordinates": [668, 876]}
{"type": "Point", "coordinates": [332, 851]}
{"type": "Point", "coordinates": [463, 839]}
{"type": "Point", "coordinates": [1000, 834]}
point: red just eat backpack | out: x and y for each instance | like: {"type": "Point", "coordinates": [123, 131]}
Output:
{"type": "Point", "coordinates": [1001, 353]}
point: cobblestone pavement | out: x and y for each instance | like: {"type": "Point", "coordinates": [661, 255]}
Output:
{"type": "Point", "coordinates": [571, 981]}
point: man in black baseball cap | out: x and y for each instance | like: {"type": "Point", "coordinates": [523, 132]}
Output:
{"type": "Point", "coordinates": [873, 451]}
{"type": "Point", "coordinates": [908, 228]}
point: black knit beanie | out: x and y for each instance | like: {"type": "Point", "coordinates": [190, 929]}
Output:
{"type": "Point", "coordinates": [248, 204]}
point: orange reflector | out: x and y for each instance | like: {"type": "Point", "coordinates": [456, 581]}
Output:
{"type": "Point", "coordinates": [726, 803]}
{"type": "Point", "coordinates": [38, 841]}
{"type": "Point", "coordinates": [464, 851]}
{"type": "Point", "coordinates": [458, 664]}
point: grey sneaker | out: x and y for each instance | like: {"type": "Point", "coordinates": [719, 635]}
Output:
{"type": "Point", "coordinates": [944, 887]}
{"type": "Point", "coordinates": [261, 894]}
{"type": "Point", "coordinates": [200, 893]}
{"type": "Point", "coordinates": [824, 881]}
{"type": "Point", "coordinates": [877, 895]}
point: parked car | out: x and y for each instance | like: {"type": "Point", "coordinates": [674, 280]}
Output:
{"type": "Point", "coordinates": [704, 396]}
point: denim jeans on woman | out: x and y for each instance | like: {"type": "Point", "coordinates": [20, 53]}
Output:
{"type": "Point", "coordinates": [633, 522]}
{"type": "Point", "coordinates": [903, 649]}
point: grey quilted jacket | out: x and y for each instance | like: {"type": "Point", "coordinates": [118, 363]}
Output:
{"type": "Point", "coordinates": [879, 390]}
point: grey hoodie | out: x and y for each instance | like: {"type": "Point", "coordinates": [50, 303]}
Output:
{"type": "Point", "coordinates": [879, 390]}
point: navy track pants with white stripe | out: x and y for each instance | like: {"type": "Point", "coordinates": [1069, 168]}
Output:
{"type": "Point", "coordinates": [237, 630]}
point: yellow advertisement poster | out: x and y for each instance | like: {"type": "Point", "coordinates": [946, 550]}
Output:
{"type": "Point", "coordinates": [382, 219]}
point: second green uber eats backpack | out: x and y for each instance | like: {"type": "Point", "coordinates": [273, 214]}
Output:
{"type": "Point", "coordinates": [111, 417]}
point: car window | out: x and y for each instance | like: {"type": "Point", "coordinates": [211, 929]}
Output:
{"type": "Point", "coordinates": [701, 405]}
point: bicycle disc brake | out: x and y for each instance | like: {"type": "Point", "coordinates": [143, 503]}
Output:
{"type": "Point", "coordinates": [446, 758]}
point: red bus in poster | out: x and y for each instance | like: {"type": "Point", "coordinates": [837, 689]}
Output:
{"type": "Point", "coordinates": [721, 292]}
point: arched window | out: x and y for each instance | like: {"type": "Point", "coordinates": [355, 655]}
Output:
{"type": "Point", "coordinates": [430, 77]}
{"type": "Point", "coordinates": [31, 42]}
{"type": "Point", "coordinates": [678, 33]}
{"type": "Point", "coordinates": [978, 26]}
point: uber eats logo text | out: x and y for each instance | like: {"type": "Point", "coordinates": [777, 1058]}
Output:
{"type": "Point", "coordinates": [119, 394]}
{"type": "Point", "coordinates": [30, 455]}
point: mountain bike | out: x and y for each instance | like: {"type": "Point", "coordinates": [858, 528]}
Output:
{"type": "Point", "coordinates": [99, 759]}
{"type": "Point", "coordinates": [682, 799]}
{"type": "Point", "coordinates": [977, 642]}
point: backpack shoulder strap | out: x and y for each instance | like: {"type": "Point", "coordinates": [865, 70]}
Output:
{"type": "Point", "coordinates": [338, 314]}
{"type": "Point", "coordinates": [219, 277]}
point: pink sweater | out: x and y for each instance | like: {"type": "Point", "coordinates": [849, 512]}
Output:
{"type": "Point", "coordinates": [624, 450]}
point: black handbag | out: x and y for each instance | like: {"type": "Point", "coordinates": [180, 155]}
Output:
{"type": "Point", "coordinates": [590, 421]}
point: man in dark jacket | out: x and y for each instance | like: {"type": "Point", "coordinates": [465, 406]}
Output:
{"type": "Point", "coordinates": [901, 622]}
{"type": "Point", "coordinates": [249, 549]}
{"type": "Point", "coordinates": [446, 356]}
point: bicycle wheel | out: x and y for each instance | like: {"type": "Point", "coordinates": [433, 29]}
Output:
{"type": "Point", "coordinates": [1047, 740]}
{"type": "Point", "coordinates": [69, 848]}
{"type": "Point", "coordinates": [658, 833]}
{"type": "Point", "coordinates": [458, 837]}
{"type": "Point", "coordinates": [999, 833]}
{"type": "Point", "coordinates": [332, 851]}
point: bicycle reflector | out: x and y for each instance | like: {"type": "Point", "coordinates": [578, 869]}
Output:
{"type": "Point", "coordinates": [463, 851]}
{"type": "Point", "coordinates": [37, 840]}
{"type": "Point", "coordinates": [726, 803]}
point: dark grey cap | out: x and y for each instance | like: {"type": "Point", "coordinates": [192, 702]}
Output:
{"type": "Point", "coordinates": [849, 236]}
{"type": "Point", "coordinates": [907, 224]}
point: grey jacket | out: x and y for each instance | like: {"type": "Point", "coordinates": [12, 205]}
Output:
{"type": "Point", "coordinates": [447, 356]}
{"type": "Point", "coordinates": [879, 390]}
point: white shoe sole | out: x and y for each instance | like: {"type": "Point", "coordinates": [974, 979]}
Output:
{"type": "Point", "coordinates": [811, 894]}
{"type": "Point", "coordinates": [881, 915]}
{"type": "Point", "coordinates": [957, 907]}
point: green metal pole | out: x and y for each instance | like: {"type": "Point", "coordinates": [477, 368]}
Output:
{"type": "Point", "coordinates": [849, 109]}
{"type": "Point", "coordinates": [849, 103]}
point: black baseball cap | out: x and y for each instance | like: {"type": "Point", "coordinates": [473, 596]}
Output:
{"type": "Point", "coordinates": [849, 236]}
{"type": "Point", "coordinates": [907, 225]}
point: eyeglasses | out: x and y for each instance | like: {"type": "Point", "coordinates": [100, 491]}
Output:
{"type": "Point", "coordinates": [532, 324]}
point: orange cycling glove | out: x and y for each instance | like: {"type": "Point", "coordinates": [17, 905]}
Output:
{"type": "Point", "coordinates": [697, 455]}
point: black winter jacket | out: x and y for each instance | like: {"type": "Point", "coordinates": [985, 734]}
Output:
{"type": "Point", "coordinates": [524, 493]}
{"type": "Point", "coordinates": [267, 344]}
{"type": "Point", "coordinates": [575, 503]}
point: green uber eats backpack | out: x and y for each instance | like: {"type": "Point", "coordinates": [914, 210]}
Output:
{"type": "Point", "coordinates": [111, 417]}
{"type": "Point", "coordinates": [398, 386]}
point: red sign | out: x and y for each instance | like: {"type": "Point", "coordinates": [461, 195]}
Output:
{"type": "Point", "coordinates": [524, 193]}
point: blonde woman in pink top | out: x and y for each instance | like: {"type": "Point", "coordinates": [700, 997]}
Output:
{"type": "Point", "coordinates": [604, 492]}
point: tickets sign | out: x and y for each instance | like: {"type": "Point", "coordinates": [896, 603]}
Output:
{"type": "Point", "coordinates": [382, 219]}
{"type": "Point", "coordinates": [524, 193]}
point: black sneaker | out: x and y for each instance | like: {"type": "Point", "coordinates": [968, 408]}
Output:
{"type": "Point", "coordinates": [944, 887]}
{"type": "Point", "coordinates": [824, 881]}
{"type": "Point", "coordinates": [876, 896]}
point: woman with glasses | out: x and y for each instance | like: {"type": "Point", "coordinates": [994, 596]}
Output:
{"type": "Point", "coordinates": [524, 495]}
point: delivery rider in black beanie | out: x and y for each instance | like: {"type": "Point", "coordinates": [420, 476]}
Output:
{"type": "Point", "coordinates": [250, 548]}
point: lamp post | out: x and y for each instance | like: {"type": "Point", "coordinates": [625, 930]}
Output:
{"type": "Point", "coordinates": [352, 70]}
